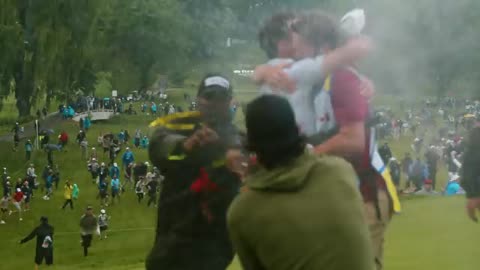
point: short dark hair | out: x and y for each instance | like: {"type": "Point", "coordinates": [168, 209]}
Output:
{"type": "Point", "coordinates": [319, 29]}
{"type": "Point", "coordinates": [272, 132]}
{"type": "Point", "coordinates": [275, 29]}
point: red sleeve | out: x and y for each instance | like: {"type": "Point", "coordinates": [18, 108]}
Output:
{"type": "Point", "coordinates": [349, 105]}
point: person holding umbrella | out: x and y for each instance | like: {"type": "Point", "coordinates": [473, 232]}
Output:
{"type": "Point", "coordinates": [44, 247]}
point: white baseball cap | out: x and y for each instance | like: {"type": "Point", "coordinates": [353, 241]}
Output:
{"type": "Point", "coordinates": [103, 211]}
{"type": "Point", "coordinates": [115, 165]}
{"type": "Point", "coordinates": [353, 22]}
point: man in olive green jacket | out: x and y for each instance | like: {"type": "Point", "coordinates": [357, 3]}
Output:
{"type": "Point", "coordinates": [299, 211]}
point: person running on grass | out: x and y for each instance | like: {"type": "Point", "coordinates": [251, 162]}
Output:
{"type": "Point", "coordinates": [4, 209]}
{"type": "Point", "coordinates": [17, 202]}
{"type": "Point", "coordinates": [152, 192]}
{"type": "Point", "coordinates": [140, 190]}
{"type": "Point", "coordinates": [27, 195]}
{"type": "Point", "coordinates": [44, 247]}
{"type": "Point", "coordinates": [88, 226]}
{"type": "Point", "coordinates": [103, 219]}
{"type": "Point", "coordinates": [103, 193]}
{"type": "Point", "coordinates": [67, 193]}
{"type": "Point", "coordinates": [115, 185]}
{"type": "Point", "coordinates": [49, 186]}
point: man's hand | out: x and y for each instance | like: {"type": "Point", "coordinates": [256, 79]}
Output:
{"type": "Point", "coordinates": [274, 76]}
{"type": "Point", "coordinates": [368, 88]}
{"type": "Point", "coordinates": [201, 137]}
{"type": "Point", "coordinates": [236, 162]}
{"type": "Point", "coordinates": [473, 205]}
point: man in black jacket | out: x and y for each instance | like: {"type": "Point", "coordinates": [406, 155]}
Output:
{"type": "Point", "coordinates": [190, 151]}
{"type": "Point", "coordinates": [471, 173]}
{"type": "Point", "coordinates": [44, 247]}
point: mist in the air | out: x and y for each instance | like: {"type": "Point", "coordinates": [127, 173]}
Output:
{"type": "Point", "coordinates": [424, 47]}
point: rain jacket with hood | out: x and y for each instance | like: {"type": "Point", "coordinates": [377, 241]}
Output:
{"type": "Point", "coordinates": [307, 215]}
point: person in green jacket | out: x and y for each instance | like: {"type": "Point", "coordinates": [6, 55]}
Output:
{"type": "Point", "coordinates": [470, 171]}
{"type": "Point", "coordinates": [299, 211]}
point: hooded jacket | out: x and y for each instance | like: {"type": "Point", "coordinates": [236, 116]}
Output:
{"type": "Point", "coordinates": [308, 215]}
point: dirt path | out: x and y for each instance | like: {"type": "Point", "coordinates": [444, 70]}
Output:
{"type": "Point", "coordinates": [50, 122]}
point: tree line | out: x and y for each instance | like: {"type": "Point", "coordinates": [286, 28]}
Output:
{"type": "Point", "coordinates": [51, 49]}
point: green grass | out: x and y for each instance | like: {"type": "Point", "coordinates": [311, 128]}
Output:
{"type": "Point", "coordinates": [430, 233]}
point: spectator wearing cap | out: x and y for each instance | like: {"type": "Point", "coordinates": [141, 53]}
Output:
{"type": "Point", "coordinates": [27, 195]}
{"type": "Point", "coordinates": [17, 202]}
{"type": "Point", "coordinates": [314, 199]}
{"type": "Point", "coordinates": [44, 246]}
{"type": "Point", "coordinates": [28, 149]}
{"type": "Point", "coordinates": [115, 186]}
{"type": "Point", "coordinates": [31, 171]}
{"type": "Point", "coordinates": [94, 167]}
{"type": "Point", "coordinates": [103, 219]}
{"type": "Point", "coordinates": [7, 188]}
{"type": "Point", "coordinates": [102, 173]}
{"type": "Point", "coordinates": [88, 226]}
{"type": "Point", "coordinates": [191, 146]}
{"type": "Point", "coordinates": [137, 137]}
{"type": "Point", "coordinates": [114, 170]}
{"type": "Point", "coordinates": [93, 154]}
{"type": "Point", "coordinates": [427, 188]}
{"type": "Point", "coordinates": [127, 157]}
{"type": "Point", "coordinates": [144, 143]}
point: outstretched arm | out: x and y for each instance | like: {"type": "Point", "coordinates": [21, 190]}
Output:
{"type": "Point", "coordinates": [29, 237]}
{"type": "Point", "coordinates": [312, 71]}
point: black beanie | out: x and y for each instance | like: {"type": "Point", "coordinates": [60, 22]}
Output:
{"type": "Point", "coordinates": [271, 124]}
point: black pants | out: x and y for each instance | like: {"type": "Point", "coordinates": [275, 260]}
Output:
{"type": "Point", "coordinates": [140, 197]}
{"type": "Point", "coordinates": [68, 201]}
{"type": "Point", "coordinates": [152, 198]}
{"type": "Point", "coordinates": [28, 155]}
{"type": "Point", "coordinates": [86, 242]}
{"type": "Point", "coordinates": [44, 254]}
